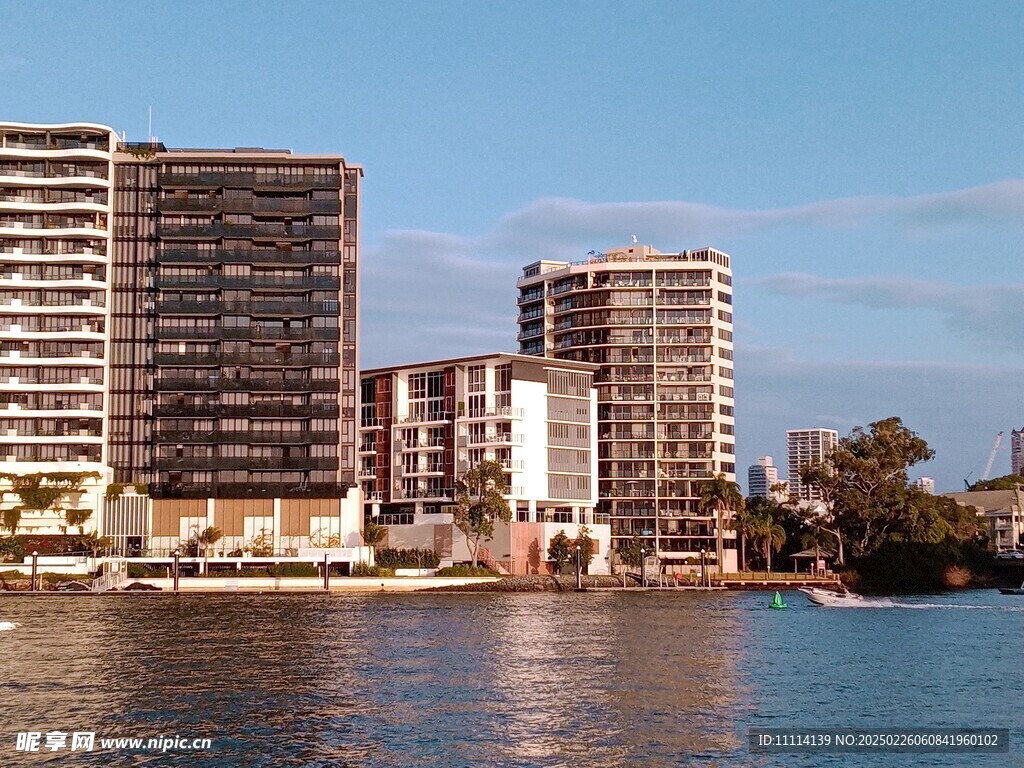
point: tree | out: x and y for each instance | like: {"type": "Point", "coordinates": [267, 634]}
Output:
{"type": "Point", "coordinates": [1004, 483]}
{"type": "Point", "coordinates": [559, 550]}
{"type": "Point", "coordinates": [373, 534]}
{"type": "Point", "coordinates": [586, 545]}
{"type": "Point", "coordinates": [718, 496]}
{"type": "Point", "coordinates": [822, 476]}
{"type": "Point", "coordinates": [207, 538]}
{"type": "Point", "coordinates": [769, 535]}
{"type": "Point", "coordinates": [741, 522]}
{"type": "Point", "coordinates": [480, 503]}
{"type": "Point", "coordinates": [632, 555]}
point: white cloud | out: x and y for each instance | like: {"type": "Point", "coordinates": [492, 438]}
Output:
{"type": "Point", "coordinates": [991, 313]}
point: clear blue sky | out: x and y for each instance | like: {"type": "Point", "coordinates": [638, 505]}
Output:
{"type": "Point", "coordinates": [861, 161]}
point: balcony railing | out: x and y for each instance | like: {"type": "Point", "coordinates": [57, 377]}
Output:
{"type": "Point", "coordinates": [193, 410]}
{"type": "Point", "coordinates": [242, 180]}
{"type": "Point", "coordinates": [250, 385]}
{"type": "Point", "coordinates": [425, 418]}
{"type": "Point", "coordinates": [288, 308]}
{"type": "Point", "coordinates": [277, 360]}
{"type": "Point", "coordinates": [252, 231]}
{"type": "Point", "coordinates": [491, 438]}
{"type": "Point", "coordinates": [251, 333]}
{"type": "Point", "coordinates": [501, 411]}
{"type": "Point", "coordinates": [299, 282]}
{"type": "Point", "coordinates": [209, 463]}
{"type": "Point", "coordinates": [299, 437]}
{"type": "Point", "coordinates": [247, 490]}
{"type": "Point", "coordinates": [246, 256]}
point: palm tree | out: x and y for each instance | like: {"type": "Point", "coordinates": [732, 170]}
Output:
{"type": "Point", "coordinates": [769, 535]}
{"type": "Point", "coordinates": [718, 496]}
{"type": "Point", "coordinates": [741, 523]}
{"type": "Point", "coordinates": [207, 539]}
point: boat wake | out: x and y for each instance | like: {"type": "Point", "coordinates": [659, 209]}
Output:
{"type": "Point", "coordinates": [956, 606]}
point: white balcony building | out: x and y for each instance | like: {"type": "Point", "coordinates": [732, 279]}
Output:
{"type": "Point", "coordinates": [55, 241]}
{"type": "Point", "coordinates": [423, 426]}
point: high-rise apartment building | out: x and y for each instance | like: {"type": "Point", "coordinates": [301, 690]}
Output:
{"type": "Point", "coordinates": [184, 319]}
{"type": "Point", "coordinates": [659, 326]}
{"type": "Point", "coordinates": [804, 446]}
{"type": "Point", "coordinates": [234, 322]}
{"type": "Point", "coordinates": [761, 477]}
{"type": "Point", "coordinates": [424, 425]}
{"type": "Point", "coordinates": [55, 246]}
{"type": "Point", "coordinates": [1017, 451]}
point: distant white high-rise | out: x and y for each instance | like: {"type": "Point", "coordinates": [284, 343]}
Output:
{"type": "Point", "coordinates": [925, 484]}
{"type": "Point", "coordinates": [804, 446]}
{"type": "Point", "coordinates": [1017, 451]}
{"type": "Point", "coordinates": [761, 477]}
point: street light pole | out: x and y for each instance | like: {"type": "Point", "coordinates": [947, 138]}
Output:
{"type": "Point", "coordinates": [643, 566]}
{"type": "Point", "coordinates": [327, 572]}
{"type": "Point", "coordinates": [177, 569]}
{"type": "Point", "coordinates": [703, 568]}
{"type": "Point", "coordinates": [579, 570]}
{"type": "Point", "coordinates": [35, 561]}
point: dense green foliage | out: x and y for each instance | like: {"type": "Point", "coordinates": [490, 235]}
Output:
{"type": "Point", "coordinates": [480, 503]}
{"type": "Point", "coordinates": [586, 547]}
{"type": "Point", "coordinates": [632, 553]}
{"type": "Point", "coordinates": [559, 550]}
{"type": "Point", "coordinates": [407, 558]}
{"type": "Point", "coordinates": [1004, 483]}
{"type": "Point", "coordinates": [886, 526]}
{"type": "Point", "coordinates": [45, 490]}
{"type": "Point", "coordinates": [717, 497]}
{"type": "Point", "coordinates": [362, 569]}
{"type": "Point", "coordinates": [466, 570]}
{"type": "Point", "coordinates": [373, 534]}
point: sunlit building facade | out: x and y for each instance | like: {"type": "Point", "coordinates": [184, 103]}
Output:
{"type": "Point", "coordinates": [659, 326]}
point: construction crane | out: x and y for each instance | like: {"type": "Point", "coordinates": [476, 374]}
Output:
{"type": "Point", "coordinates": [992, 456]}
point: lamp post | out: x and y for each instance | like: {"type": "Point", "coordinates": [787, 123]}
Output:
{"type": "Point", "coordinates": [35, 566]}
{"type": "Point", "coordinates": [703, 569]}
{"type": "Point", "coordinates": [327, 571]}
{"type": "Point", "coordinates": [579, 571]}
{"type": "Point", "coordinates": [177, 569]}
{"type": "Point", "coordinates": [643, 566]}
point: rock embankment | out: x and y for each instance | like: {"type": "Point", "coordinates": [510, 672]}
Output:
{"type": "Point", "coordinates": [533, 583]}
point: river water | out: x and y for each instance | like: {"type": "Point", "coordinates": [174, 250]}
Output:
{"type": "Point", "coordinates": [596, 679]}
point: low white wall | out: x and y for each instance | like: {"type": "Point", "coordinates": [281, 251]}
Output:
{"type": "Point", "coordinates": [338, 583]}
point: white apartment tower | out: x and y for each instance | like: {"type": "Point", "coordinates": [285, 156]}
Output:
{"type": "Point", "coordinates": [55, 245]}
{"type": "Point", "coordinates": [761, 477]}
{"type": "Point", "coordinates": [659, 325]}
{"type": "Point", "coordinates": [804, 446]}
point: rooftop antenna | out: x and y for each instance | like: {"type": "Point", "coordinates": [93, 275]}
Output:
{"type": "Point", "coordinates": [150, 123]}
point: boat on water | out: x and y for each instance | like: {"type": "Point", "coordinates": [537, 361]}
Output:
{"type": "Point", "coordinates": [7, 626]}
{"type": "Point", "coordinates": [1012, 590]}
{"type": "Point", "coordinates": [829, 599]}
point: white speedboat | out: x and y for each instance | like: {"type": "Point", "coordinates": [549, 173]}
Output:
{"type": "Point", "coordinates": [7, 626]}
{"type": "Point", "coordinates": [829, 599]}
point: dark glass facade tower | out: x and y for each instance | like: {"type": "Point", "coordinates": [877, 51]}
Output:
{"type": "Point", "coordinates": [234, 314]}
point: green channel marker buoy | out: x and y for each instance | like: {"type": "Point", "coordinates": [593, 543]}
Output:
{"type": "Point", "coordinates": [777, 603]}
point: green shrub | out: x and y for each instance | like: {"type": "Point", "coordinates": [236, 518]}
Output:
{"type": "Point", "coordinates": [362, 569]}
{"type": "Point", "coordinates": [12, 549]}
{"type": "Point", "coordinates": [407, 558]}
{"type": "Point", "coordinates": [466, 570]}
{"type": "Point", "coordinates": [294, 569]}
